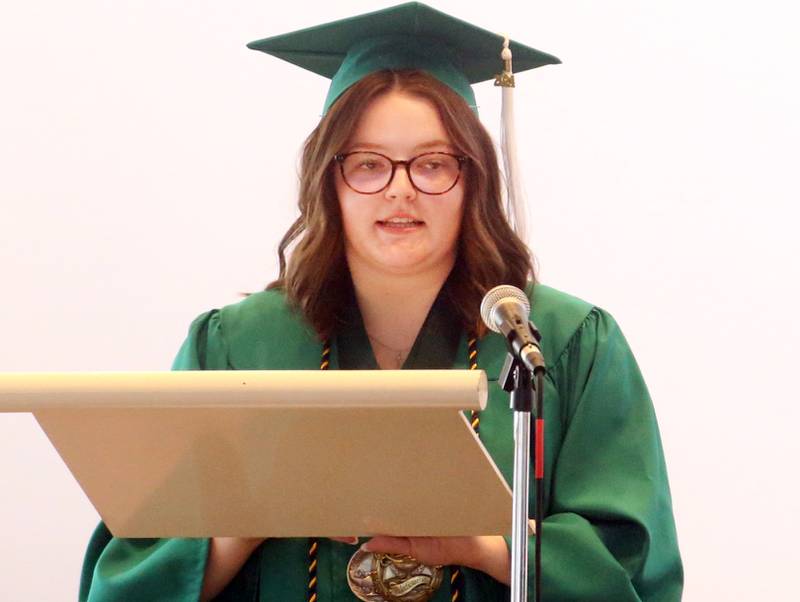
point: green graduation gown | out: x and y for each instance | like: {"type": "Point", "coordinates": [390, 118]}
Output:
{"type": "Point", "coordinates": [608, 534]}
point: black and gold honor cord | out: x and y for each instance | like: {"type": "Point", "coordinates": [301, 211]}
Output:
{"type": "Point", "coordinates": [313, 542]}
{"type": "Point", "coordinates": [456, 575]}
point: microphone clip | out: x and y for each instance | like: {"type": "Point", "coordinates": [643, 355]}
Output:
{"type": "Point", "coordinates": [515, 378]}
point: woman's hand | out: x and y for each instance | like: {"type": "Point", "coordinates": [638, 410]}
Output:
{"type": "Point", "coordinates": [353, 540]}
{"type": "Point", "coordinates": [226, 556]}
{"type": "Point", "coordinates": [488, 553]}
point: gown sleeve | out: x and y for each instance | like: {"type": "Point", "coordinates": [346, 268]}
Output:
{"type": "Point", "coordinates": [155, 569]}
{"type": "Point", "coordinates": [609, 533]}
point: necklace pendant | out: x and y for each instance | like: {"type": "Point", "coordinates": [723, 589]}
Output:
{"type": "Point", "coordinates": [375, 577]}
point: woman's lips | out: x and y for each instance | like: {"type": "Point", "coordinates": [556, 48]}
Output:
{"type": "Point", "coordinates": [401, 224]}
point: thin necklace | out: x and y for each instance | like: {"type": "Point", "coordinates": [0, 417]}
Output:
{"type": "Point", "coordinates": [398, 355]}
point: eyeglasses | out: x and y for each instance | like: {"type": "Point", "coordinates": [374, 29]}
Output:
{"type": "Point", "coordinates": [429, 173]}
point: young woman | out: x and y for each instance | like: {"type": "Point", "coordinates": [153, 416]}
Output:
{"type": "Point", "coordinates": [401, 232]}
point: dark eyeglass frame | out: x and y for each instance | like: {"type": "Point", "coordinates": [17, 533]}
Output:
{"type": "Point", "coordinates": [340, 157]}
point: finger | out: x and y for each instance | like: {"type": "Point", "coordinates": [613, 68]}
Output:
{"type": "Point", "coordinates": [388, 545]}
{"type": "Point", "coordinates": [353, 540]}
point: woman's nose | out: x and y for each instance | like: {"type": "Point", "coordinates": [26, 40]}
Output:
{"type": "Point", "coordinates": [400, 185]}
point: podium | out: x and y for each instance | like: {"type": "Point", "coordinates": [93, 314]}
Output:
{"type": "Point", "coordinates": [273, 453]}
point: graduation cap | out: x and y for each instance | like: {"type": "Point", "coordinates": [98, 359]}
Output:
{"type": "Point", "coordinates": [407, 36]}
{"type": "Point", "coordinates": [413, 36]}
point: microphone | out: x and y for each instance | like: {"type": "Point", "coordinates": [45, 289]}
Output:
{"type": "Point", "coordinates": [505, 309]}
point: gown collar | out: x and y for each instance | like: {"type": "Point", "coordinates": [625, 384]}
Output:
{"type": "Point", "coordinates": [435, 347]}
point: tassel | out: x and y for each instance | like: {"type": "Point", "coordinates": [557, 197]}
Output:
{"type": "Point", "coordinates": [515, 202]}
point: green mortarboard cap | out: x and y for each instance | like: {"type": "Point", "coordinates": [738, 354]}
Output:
{"type": "Point", "coordinates": [407, 36]}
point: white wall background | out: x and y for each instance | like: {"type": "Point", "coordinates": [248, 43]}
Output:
{"type": "Point", "coordinates": [147, 171]}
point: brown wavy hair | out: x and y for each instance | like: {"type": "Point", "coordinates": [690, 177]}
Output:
{"type": "Point", "coordinates": [315, 277]}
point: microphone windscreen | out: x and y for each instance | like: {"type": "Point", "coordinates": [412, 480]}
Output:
{"type": "Point", "coordinates": [498, 295]}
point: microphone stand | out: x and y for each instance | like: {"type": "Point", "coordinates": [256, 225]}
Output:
{"type": "Point", "coordinates": [516, 379]}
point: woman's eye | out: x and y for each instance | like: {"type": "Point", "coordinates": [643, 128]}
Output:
{"type": "Point", "coordinates": [367, 165]}
{"type": "Point", "coordinates": [432, 165]}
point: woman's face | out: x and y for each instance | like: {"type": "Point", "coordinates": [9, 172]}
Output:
{"type": "Point", "coordinates": [400, 230]}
